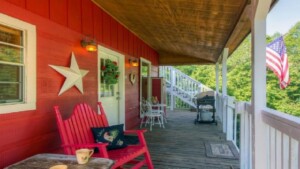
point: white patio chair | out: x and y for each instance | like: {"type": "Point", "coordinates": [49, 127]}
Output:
{"type": "Point", "coordinates": [151, 116]}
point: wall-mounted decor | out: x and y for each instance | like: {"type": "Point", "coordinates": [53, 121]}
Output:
{"type": "Point", "coordinates": [134, 62]}
{"type": "Point", "coordinates": [132, 78]}
{"type": "Point", "coordinates": [109, 72]}
{"type": "Point", "coordinates": [73, 75]}
{"type": "Point", "coordinates": [89, 45]}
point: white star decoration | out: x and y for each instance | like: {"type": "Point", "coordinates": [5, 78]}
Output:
{"type": "Point", "coordinates": [73, 75]}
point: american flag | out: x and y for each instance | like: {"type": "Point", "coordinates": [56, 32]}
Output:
{"type": "Point", "coordinates": [277, 61]}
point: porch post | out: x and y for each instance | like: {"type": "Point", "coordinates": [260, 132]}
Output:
{"type": "Point", "coordinates": [217, 92]}
{"type": "Point", "coordinates": [217, 77]}
{"type": "Point", "coordinates": [224, 89]}
{"type": "Point", "coordinates": [260, 10]}
{"type": "Point", "coordinates": [173, 81]}
{"type": "Point", "coordinates": [224, 71]}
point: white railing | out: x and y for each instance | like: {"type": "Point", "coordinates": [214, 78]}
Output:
{"type": "Point", "coordinates": [282, 133]}
{"type": "Point", "coordinates": [245, 144]}
{"type": "Point", "coordinates": [182, 81]}
{"type": "Point", "coordinates": [226, 111]}
{"type": "Point", "coordinates": [283, 137]}
{"type": "Point", "coordinates": [181, 85]}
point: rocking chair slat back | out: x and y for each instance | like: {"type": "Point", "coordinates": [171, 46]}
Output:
{"type": "Point", "coordinates": [76, 129]}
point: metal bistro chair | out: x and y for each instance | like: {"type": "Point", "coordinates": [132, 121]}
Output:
{"type": "Point", "coordinates": [151, 116]}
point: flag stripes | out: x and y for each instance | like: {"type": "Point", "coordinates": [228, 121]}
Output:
{"type": "Point", "coordinates": [277, 61]}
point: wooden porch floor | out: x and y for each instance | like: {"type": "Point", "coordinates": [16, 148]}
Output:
{"type": "Point", "coordinates": [181, 144]}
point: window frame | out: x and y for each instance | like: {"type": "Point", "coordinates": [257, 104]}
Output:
{"type": "Point", "coordinates": [29, 74]}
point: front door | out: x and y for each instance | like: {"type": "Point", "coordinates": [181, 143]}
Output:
{"type": "Point", "coordinates": [110, 81]}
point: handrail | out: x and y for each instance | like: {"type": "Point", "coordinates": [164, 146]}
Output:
{"type": "Point", "coordinates": [285, 123]}
{"type": "Point", "coordinates": [180, 73]}
{"type": "Point", "coordinates": [163, 70]}
{"type": "Point", "coordinates": [282, 131]}
{"type": "Point", "coordinates": [181, 85]}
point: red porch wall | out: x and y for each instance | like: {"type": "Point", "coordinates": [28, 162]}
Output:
{"type": "Point", "coordinates": [60, 27]}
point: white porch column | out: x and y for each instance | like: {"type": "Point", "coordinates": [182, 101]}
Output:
{"type": "Point", "coordinates": [224, 88]}
{"type": "Point", "coordinates": [224, 71]}
{"type": "Point", "coordinates": [173, 81]}
{"type": "Point", "coordinates": [217, 103]}
{"type": "Point", "coordinates": [260, 10]}
{"type": "Point", "coordinates": [217, 77]}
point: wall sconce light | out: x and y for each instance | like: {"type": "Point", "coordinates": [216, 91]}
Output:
{"type": "Point", "coordinates": [134, 62]}
{"type": "Point", "coordinates": [90, 46]}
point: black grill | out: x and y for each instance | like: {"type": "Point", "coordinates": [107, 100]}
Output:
{"type": "Point", "coordinates": [204, 105]}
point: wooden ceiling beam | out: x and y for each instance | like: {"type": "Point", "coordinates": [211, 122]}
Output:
{"type": "Point", "coordinates": [240, 30]}
{"type": "Point", "coordinates": [167, 59]}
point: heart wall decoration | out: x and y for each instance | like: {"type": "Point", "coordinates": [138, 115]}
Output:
{"type": "Point", "coordinates": [132, 78]}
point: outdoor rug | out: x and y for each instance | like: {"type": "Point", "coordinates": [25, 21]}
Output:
{"type": "Point", "coordinates": [221, 150]}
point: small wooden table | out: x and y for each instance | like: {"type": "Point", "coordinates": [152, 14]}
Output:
{"type": "Point", "coordinates": [45, 161]}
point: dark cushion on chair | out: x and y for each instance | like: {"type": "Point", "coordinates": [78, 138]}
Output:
{"type": "Point", "coordinates": [114, 135]}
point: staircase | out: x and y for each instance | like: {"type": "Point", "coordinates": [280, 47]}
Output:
{"type": "Point", "coordinates": [181, 86]}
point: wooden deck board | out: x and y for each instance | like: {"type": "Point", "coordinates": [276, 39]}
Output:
{"type": "Point", "coordinates": [181, 144]}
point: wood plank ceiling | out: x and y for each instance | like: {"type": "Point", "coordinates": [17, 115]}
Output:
{"type": "Point", "coordinates": [184, 31]}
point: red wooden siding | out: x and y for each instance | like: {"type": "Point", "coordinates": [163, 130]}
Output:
{"type": "Point", "coordinates": [74, 15]}
{"type": "Point", "coordinates": [57, 13]}
{"type": "Point", "coordinates": [60, 27]}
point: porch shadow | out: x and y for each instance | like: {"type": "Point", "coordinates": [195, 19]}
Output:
{"type": "Point", "coordinates": [181, 144]}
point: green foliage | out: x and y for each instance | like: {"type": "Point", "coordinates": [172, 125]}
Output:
{"type": "Point", "coordinates": [110, 72]}
{"type": "Point", "coordinates": [239, 74]}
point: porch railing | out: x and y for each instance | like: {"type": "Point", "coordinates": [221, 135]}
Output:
{"type": "Point", "coordinates": [230, 118]}
{"type": "Point", "coordinates": [244, 109]}
{"type": "Point", "coordinates": [282, 133]}
{"type": "Point", "coordinates": [283, 137]}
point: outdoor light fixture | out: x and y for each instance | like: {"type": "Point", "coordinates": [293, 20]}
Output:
{"type": "Point", "coordinates": [134, 62]}
{"type": "Point", "coordinates": [90, 46]}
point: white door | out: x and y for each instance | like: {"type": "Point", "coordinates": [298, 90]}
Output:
{"type": "Point", "coordinates": [110, 84]}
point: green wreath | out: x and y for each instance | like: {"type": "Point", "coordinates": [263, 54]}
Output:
{"type": "Point", "coordinates": [110, 72]}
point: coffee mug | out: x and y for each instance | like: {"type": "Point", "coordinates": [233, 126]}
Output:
{"type": "Point", "coordinates": [83, 155]}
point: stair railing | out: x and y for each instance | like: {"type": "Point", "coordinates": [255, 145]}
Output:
{"type": "Point", "coordinates": [181, 85]}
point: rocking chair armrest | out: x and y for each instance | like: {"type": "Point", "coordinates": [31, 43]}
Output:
{"type": "Point", "coordinates": [140, 134]}
{"type": "Point", "coordinates": [100, 146]}
{"type": "Point", "coordinates": [90, 145]}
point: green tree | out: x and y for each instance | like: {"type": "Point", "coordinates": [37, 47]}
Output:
{"type": "Point", "coordinates": [239, 74]}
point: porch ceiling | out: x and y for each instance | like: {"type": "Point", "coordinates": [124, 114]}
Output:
{"type": "Point", "coordinates": [184, 31]}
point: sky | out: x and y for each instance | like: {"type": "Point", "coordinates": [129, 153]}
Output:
{"type": "Point", "coordinates": [283, 16]}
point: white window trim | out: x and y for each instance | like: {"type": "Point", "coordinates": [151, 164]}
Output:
{"type": "Point", "coordinates": [30, 65]}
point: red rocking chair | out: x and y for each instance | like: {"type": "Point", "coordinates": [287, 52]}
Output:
{"type": "Point", "coordinates": [75, 133]}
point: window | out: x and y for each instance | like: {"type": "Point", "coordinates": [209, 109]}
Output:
{"type": "Point", "coordinates": [17, 65]}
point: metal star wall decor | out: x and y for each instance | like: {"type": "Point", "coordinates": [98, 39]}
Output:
{"type": "Point", "coordinates": [73, 75]}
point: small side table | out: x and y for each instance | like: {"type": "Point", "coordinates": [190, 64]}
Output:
{"type": "Point", "coordinates": [45, 161]}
